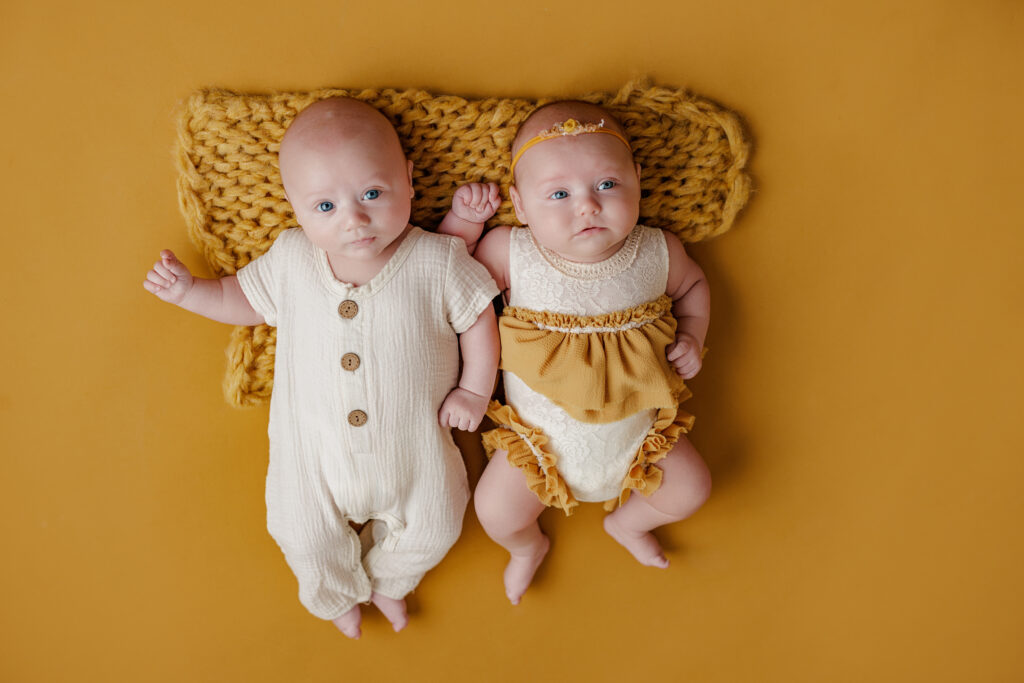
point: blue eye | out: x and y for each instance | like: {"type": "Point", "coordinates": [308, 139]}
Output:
{"type": "Point", "coordinates": [606, 185]}
{"type": "Point", "coordinates": [324, 207]}
{"type": "Point", "coordinates": [371, 194]}
{"type": "Point", "coordinates": [559, 194]}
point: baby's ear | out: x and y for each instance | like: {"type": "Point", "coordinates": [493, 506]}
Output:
{"type": "Point", "coordinates": [412, 191]}
{"type": "Point", "coordinates": [517, 204]}
{"type": "Point", "coordinates": [638, 171]}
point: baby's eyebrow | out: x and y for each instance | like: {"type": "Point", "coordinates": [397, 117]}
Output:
{"type": "Point", "coordinates": [550, 180]}
{"type": "Point", "coordinates": [600, 174]}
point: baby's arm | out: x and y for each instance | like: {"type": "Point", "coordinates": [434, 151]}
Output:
{"type": "Point", "coordinates": [220, 299]}
{"type": "Point", "coordinates": [465, 404]}
{"type": "Point", "coordinates": [471, 206]}
{"type": "Point", "coordinates": [691, 306]}
{"type": "Point", "coordinates": [493, 253]}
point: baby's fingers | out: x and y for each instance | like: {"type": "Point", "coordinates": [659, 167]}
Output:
{"type": "Point", "coordinates": [678, 350]}
{"type": "Point", "coordinates": [465, 422]}
{"type": "Point", "coordinates": [159, 277]}
{"type": "Point", "coordinates": [689, 368]}
{"type": "Point", "coordinates": [171, 262]}
{"type": "Point", "coordinates": [152, 287]}
{"type": "Point", "coordinates": [484, 193]}
{"type": "Point", "coordinates": [161, 270]}
{"type": "Point", "coordinates": [482, 197]}
{"type": "Point", "coordinates": [447, 417]}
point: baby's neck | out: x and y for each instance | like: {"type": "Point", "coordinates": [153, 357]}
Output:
{"type": "Point", "coordinates": [357, 272]}
{"type": "Point", "coordinates": [595, 258]}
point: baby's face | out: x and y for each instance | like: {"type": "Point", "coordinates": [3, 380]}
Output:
{"type": "Point", "coordinates": [580, 195]}
{"type": "Point", "coordinates": [351, 195]}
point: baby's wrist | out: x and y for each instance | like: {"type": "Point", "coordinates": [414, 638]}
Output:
{"type": "Point", "coordinates": [472, 221]}
{"type": "Point", "coordinates": [471, 391]}
{"type": "Point", "coordinates": [187, 295]}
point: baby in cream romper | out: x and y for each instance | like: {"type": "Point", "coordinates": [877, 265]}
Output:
{"type": "Point", "coordinates": [359, 376]}
{"type": "Point", "coordinates": [371, 314]}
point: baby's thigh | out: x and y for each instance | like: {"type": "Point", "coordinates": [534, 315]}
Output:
{"type": "Point", "coordinates": [503, 499]}
{"type": "Point", "coordinates": [307, 525]}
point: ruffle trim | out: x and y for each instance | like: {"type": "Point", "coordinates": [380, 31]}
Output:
{"type": "Point", "coordinates": [526, 448]}
{"type": "Point", "coordinates": [526, 451]}
{"type": "Point", "coordinates": [650, 311]}
{"type": "Point", "coordinates": [643, 475]}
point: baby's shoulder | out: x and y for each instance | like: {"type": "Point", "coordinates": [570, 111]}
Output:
{"type": "Point", "coordinates": [292, 239]}
{"type": "Point", "coordinates": [497, 239]}
{"type": "Point", "coordinates": [494, 245]}
{"type": "Point", "coordinates": [435, 243]}
{"type": "Point", "coordinates": [283, 248]}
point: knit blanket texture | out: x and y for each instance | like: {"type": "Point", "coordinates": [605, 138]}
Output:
{"type": "Point", "coordinates": [693, 155]}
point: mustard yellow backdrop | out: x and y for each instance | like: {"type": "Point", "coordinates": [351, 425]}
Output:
{"type": "Point", "coordinates": [860, 411]}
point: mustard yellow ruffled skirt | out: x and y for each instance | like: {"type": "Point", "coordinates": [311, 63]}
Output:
{"type": "Point", "coordinates": [598, 369]}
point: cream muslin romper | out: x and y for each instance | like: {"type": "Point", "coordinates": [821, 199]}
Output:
{"type": "Point", "coordinates": [359, 376]}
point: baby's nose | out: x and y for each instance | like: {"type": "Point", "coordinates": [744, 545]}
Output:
{"type": "Point", "coordinates": [354, 217]}
{"type": "Point", "coordinates": [588, 206]}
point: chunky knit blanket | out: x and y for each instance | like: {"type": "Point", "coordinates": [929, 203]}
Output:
{"type": "Point", "coordinates": [693, 154]}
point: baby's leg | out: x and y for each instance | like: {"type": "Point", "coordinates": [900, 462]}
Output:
{"type": "Point", "coordinates": [508, 512]}
{"type": "Point", "coordinates": [403, 545]}
{"type": "Point", "coordinates": [332, 581]}
{"type": "Point", "coordinates": [685, 486]}
{"type": "Point", "coordinates": [394, 610]}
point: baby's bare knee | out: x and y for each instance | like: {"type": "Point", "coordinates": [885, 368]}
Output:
{"type": "Point", "coordinates": [493, 518]}
{"type": "Point", "coordinates": [700, 486]}
{"type": "Point", "coordinates": [686, 491]}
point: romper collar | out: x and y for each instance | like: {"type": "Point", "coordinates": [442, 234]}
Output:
{"type": "Point", "coordinates": [379, 280]}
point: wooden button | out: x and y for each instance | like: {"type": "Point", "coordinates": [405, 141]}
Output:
{"type": "Point", "coordinates": [350, 361]}
{"type": "Point", "coordinates": [357, 418]}
{"type": "Point", "coordinates": [348, 308]}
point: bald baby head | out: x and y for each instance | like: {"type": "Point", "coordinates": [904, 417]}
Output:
{"type": "Point", "coordinates": [334, 124]}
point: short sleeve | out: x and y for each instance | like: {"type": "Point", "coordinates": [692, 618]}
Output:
{"type": "Point", "coordinates": [261, 279]}
{"type": "Point", "coordinates": [469, 288]}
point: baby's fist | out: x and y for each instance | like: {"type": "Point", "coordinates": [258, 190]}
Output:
{"type": "Point", "coordinates": [169, 279]}
{"type": "Point", "coordinates": [476, 202]}
{"type": "Point", "coordinates": [462, 409]}
{"type": "Point", "coordinates": [685, 355]}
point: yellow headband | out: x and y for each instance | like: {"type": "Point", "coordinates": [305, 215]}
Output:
{"type": "Point", "coordinates": [569, 127]}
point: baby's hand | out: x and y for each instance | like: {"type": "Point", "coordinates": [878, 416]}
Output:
{"type": "Point", "coordinates": [462, 409]}
{"type": "Point", "coordinates": [685, 355]}
{"type": "Point", "coordinates": [169, 279]}
{"type": "Point", "coordinates": [476, 202]}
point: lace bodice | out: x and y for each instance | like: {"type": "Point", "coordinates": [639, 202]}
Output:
{"type": "Point", "coordinates": [541, 280]}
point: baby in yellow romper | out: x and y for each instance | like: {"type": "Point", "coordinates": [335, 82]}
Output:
{"type": "Point", "coordinates": [371, 313]}
{"type": "Point", "coordinates": [604, 320]}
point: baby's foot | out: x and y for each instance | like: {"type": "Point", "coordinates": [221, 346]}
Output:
{"type": "Point", "coordinates": [521, 568]}
{"type": "Point", "coordinates": [641, 545]}
{"type": "Point", "coordinates": [348, 623]}
{"type": "Point", "coordinates": [393, 609]}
